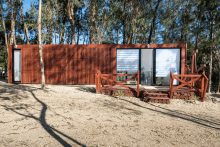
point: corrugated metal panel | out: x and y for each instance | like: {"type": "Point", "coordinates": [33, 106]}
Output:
{"type": "Point", "coordinates": [102, 57]}
{"type": "Point", "coordinates": [66, 65]}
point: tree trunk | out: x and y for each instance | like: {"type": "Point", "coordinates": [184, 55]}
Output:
{"type": "Point", "coordinates": [92, 22]}
{"type": "Point", "coordinates": [130, 33]}
{"type": "Point", "coordinates": [210, 72]}
{"type": "Point", "coordinates": [117, 35]}
{"type": "Point", "coordinates": [153, 22]}
{"type": "Point", "coordinates": [197, 37]}
{"type": "Point", "coordinates": [103, 26]}
{"type": "Point", "coordinates": [78, 34]}
{"type": "Point", "coordinates": [25, 25]}
{"type": "Point", "coordinates": [70, 9]}
{"type": "Point", "coordinates": [6, 39]}
{"type": "Point", "coordinates": [12, 39]}
{"type": "Point", "coordinates": [218, 73]}
{"type": "Point", "coordinates": [3, 24]}
{"type": "Point", "coordinates": [210, 61]}
{"type": "Point", "coordinates": [41, 47]}
{"type": "Point", "coordinates": [124, 25]}
{"type": "Point", "coordinates": [62, 37]}
{"type": "Point", "coordinates": [151, 31]}
{"type": "Point", "coordinates": [50, 35]}
{"type": "Point", "coordinates": [50, 16]}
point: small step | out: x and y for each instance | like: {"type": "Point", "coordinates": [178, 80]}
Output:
{"type": "Point", "coordinates": [164, 100]}
{"type": "Point", "coordinates": [157, 94]}
{"type": "Point", "coordinates": [151, 91]}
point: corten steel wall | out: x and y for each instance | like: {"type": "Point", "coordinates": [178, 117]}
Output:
{"type": "Point", "coordinates": [75, 64]}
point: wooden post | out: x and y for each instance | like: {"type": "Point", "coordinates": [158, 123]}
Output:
{"type": "Point", "coordinates": [202, 88]}
{"type": "Point", "coordinates": [171, 84]}
{"type": "Point", "coordinates": [170, 80]}
{"type": "Point", "coordinates": [192, 64]}
{"type": "Point", "coordinates": [98, 81]}
{"type": "Point", "coordinates": [205, 89]}
{"type": "Point", "coordinates": [205, 86]}
{"type": "Point", "coordinates": [102, 82]}
{"type": "Point", "coordinates": [138, 82]}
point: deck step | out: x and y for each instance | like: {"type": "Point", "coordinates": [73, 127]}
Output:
{"type": "Point", "coordinates": [164, 100]}
{"type": "Point", "coordinates": [157, 94]}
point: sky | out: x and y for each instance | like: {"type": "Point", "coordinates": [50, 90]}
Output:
{"type": "Point", "coordinates": [26, 5]}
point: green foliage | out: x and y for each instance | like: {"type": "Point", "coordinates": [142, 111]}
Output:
{"type": "Point", "coordinates": [120, 93]}
{"type": "Point", "coordinates": [195, 98]}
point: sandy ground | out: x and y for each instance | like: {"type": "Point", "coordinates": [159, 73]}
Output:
{"type": "Point", "coordinates": [70, 115]}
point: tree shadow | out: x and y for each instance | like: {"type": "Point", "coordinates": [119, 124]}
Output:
{"type": "Point", "coordinates": [206, 121]}
{"type": "Point", "coordinates": [56, 134]}
{"type": "Point", "coordinates": [87, 89]}
{"type": "Point", "coordinates": [216, 95]}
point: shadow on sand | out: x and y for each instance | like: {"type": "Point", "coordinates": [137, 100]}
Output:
{"type": "Point", "coordinates": [56, 134]}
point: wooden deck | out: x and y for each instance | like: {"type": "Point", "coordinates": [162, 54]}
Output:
{"type": "Point", "coordinates": [155, 94]}
{"type": "Point", "coordinates": [192, 85]}
{"type": "Point", "coordinates": [142, 87]}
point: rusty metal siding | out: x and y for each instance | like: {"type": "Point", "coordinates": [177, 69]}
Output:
{"type": "Point", "coordinates": [74, 64]}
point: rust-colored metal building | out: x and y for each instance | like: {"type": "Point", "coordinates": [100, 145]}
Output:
{"type": "Point", "coordinates": [77, 64]}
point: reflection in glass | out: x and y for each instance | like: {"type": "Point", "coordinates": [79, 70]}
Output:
{"type": "Point", "coordinates": [127, 63]}
{"type": "Point", "coordinates": [146, 66]}
{"type": "Point", "coordinates": [17, 65]}
{"type": "Point", "coordinates": [167, 60]}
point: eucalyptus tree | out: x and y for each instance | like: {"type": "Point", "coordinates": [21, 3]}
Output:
{"type": "Point", "coordinates": [25, 31]}
{"type": "Point", "coordinates": [3, 25]}
{"type": "Point", "coordinates": [13, 4]}
{"type": "Point", "coordinates": [92, 9]}
{"type": "Point", "coordinates": [41, 47]}
{"type": "Point", "coordinates": [3, 41]}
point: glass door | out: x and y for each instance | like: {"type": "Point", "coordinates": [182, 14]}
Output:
{"type": "Point", "coordinates": [146, 66]}
{"type": "Point", "coordinates": [127, 63]}
{"type": "Point", "coordinates": [16, 65]}
{"type": "Point", "coordinates": [167, 60]}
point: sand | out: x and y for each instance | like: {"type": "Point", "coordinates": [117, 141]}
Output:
{"type": "Point", "coordinates": [74, 115]}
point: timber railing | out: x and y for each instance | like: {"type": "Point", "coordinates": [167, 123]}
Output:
{"type": "Point", "coordinates": [194, 81]}
{"type": "Point", "coordinates": [99, 80]}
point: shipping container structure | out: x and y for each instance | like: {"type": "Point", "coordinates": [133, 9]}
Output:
{"type": "Point", "coordinates": [77, 64]}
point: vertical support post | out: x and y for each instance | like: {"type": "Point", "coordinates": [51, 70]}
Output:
{"type": "Point", "coordinates": [114, 63]}
{"type": "Point", "coordinates": [192, 67]}
{"type": "Point", "coordinates": [171, 84]}
{"type": "Point", "coordinates": [102, 83]}
{"type": "Point", "coordinates": [205, 85]}
{"type": "Point", "coordinates": [202, 87]}
{"type": "Point", "coordinates": [154, 66]}
{"type": "Point", "coordinates": [138, 83]}
{"type": "Point", "coordinates": [192, 64]}
{"type": "Point", "coordinates": [98, 81]}
{"type": "Point", "coordinates": [205, 89]}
